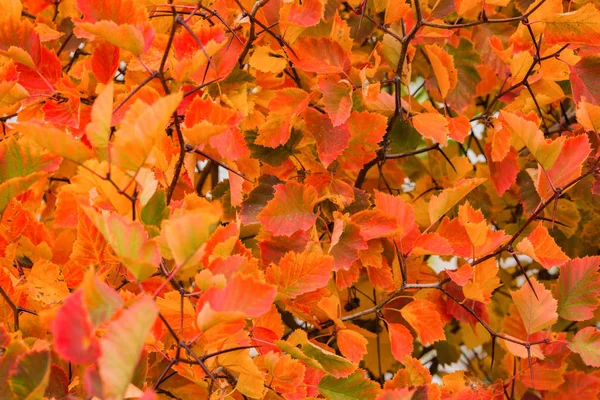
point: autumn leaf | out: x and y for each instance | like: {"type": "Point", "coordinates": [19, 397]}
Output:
{"type": "Point", "coordinates": [537, 309]}
{"type": "Point", "coordinates": [441, 204]}
{"type": "Point", "coordinates": [321, 55]}
{"type": "Point", "coordinates": [290, 210]}
{"type": "Point", "coordinates": [352, 344]}
{"type": "Point", "coordinates": [122, 346]}
{"type": "Point", "coordinates": [401, 341]}
{"type": "Point", "coordinates": [299, 273]}
{"type": "Point", "coordinates": [585, 343]}
{"type": "Point", "coordinates": [425, 320]}
{"type": "Point", "coordinates": [445, 73]}
{"type": "Point", "coordinates": [337, 96]}
{"type": "Point", "coordinates": [577, 289]}
{"type": "Point", "coordinates": [129, 240]}
{"type": "Point", "coordinates": [356, 386]}
{"type": "Point", "coordinates": [540, 246]}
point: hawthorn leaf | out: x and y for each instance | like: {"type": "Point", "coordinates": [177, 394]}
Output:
{"type": "Point", "coordinates": [585, 80]}
{"type": "Point", "coordinates": [124, 35]}
{"type": "Point", "coordinates": [425, 320]}
{"type": "Point", "coordinates": [337, 97]}
{"type": "Point", "coordinates": [98, 130]}
{"type": "Point", "coordinates": [586, 343]}
{"type": "Point", "coordinates": [448, 198]}
{"type": "Point", "coordinates": [432, 125]}
{"type": "Point", "coordinates": [130, 242]}
{"type": "Point", "coordinates": [566, 168]}
{"type": "Point", "coordinates": [320, 55]}
{"type": "Point", "coordinates": [31, 375]}
{"type": "Point", "coordinates": [396, 207]}
{"type": "Point", "coordinates": [299, 346]}
{"type": "Point", "coordinates": [331, 141]}
{"type": "Point", "coordinates": [105, 61]}
{"type": "Point", "coordinates": [578, 289]}
{"type": "Point", "coordinates": [580, 26]}
{"type": "Point", "coordinates": [140, 129]}
{"type": "Point", "coordinates": [352, 345]}
{"type": "Point", "coordinates": [545, 151]}
{"type": "Point", "coordinates": [299, 273]}
{"type": "Point", "coordinates": [185, 233]}
{"type": "Point", "coordinates": [242, 297]}
{"type": "Point", "coordinates": [444, 70]}
{"type": "Point", "coordinates": [366, 131]}
{"type": "Point", "coordinates": [290, 210]}
{"type": "Point", "coordinates": [540, 246]}
{"type": "Point", "coordinates": [356, 386]}
{"type": "Point", "coordinates": [57, 141]}
{"type": "Point", "coordinates": [284, 109]}
{"type": "Point", "coordinates": [538, 312]}
{"type": "Point", "coordinates": [346, 242]}
{"type": "Point", "coordinates": [401, 341]}
{"type": "Point", "coordinates": [73, 332]}
{"type": "Point", "coordinates": [503, 174]}
{"type": "Point", "coordinates": [122, 346]}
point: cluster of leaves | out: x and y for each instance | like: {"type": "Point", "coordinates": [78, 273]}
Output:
{"type": "Point", "coordinates": [409, 206]}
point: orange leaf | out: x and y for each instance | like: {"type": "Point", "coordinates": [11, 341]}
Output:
{"type": "Point", "coordinates": [444, 70]}
{"type": "Point", "coordinates": [320, 55]}
{"type": "Point", "coordinates": [105, 61]}
{"type": "Point", "coordinates": [331, 141]}
{"type": "Point", "coordinates": [300, 273]}
{"type": "Point", "coordinates": [337, 96]}
{"type": "Point", "coordinates": [284, 108]}
{"type": "Point", "coordinates": [352, 345]}
{"type": "Point", "coordinates": [581, 26]}
{"type": "Point", "coordinates": [538, 312]}
{"type": "Point", "coordinates": [540, 246]}
{"type": "Point", "coordinates": [401, 341]}
{"type": "Point", "coordinates": [346, 242]}
{"type": "Point", "coordinates": [425, 320]}
{"type": "Point", "coordinates": [366, 131]}
{"type": "Point", "coordinates": [290, 210]}
{"type": "Point", "coordinates": [448, 198]}
{"type": "Point", "coordinates": [432, 125]}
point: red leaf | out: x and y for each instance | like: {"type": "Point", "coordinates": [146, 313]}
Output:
{"type": "Point", "coordinates": [331, 141]}
{"type": "Point", "coordinates": [105, 61]}
{"type": "Point", "coordinates": [346, 241]}
{"type": "Point", "coordinates": [503, 173]}
{"type": "Point", "coordinates": [283, 111]}
{"type": "Point", "coordinates": [290, 210]}
{"type": "Point", "coordinates": [337, 96]}
{"type": "Point", "coordinates": [320, 55]}
{"type": "Point", "coordinates": [366, 130]}
{"type": "Point", "coordinates": [586, 343]}
{"type": "Point", "coordinates": [585, 80]}
{"type": "Point", "coordinates": [401, 341]}
{"type": "Point", "coordinates": [74, 338]}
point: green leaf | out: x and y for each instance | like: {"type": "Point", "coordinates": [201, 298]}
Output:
{"type": "Point", "coordinates": [356, 386]}
{"type": "Point", "coordinates": [275, 156]}
{"type": "Point", "coordinates": [122, 347]}
{"type": "Point", "coordinates": [156, 209]}
{"type": "Point", "coordinates": [31, 375]}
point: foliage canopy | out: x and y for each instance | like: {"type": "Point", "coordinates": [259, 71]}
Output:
{"type": "Point", "coordinates": [407, 206]}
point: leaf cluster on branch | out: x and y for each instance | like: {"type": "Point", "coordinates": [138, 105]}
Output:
{"type": "Point", "coordinates": [299, 199]}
